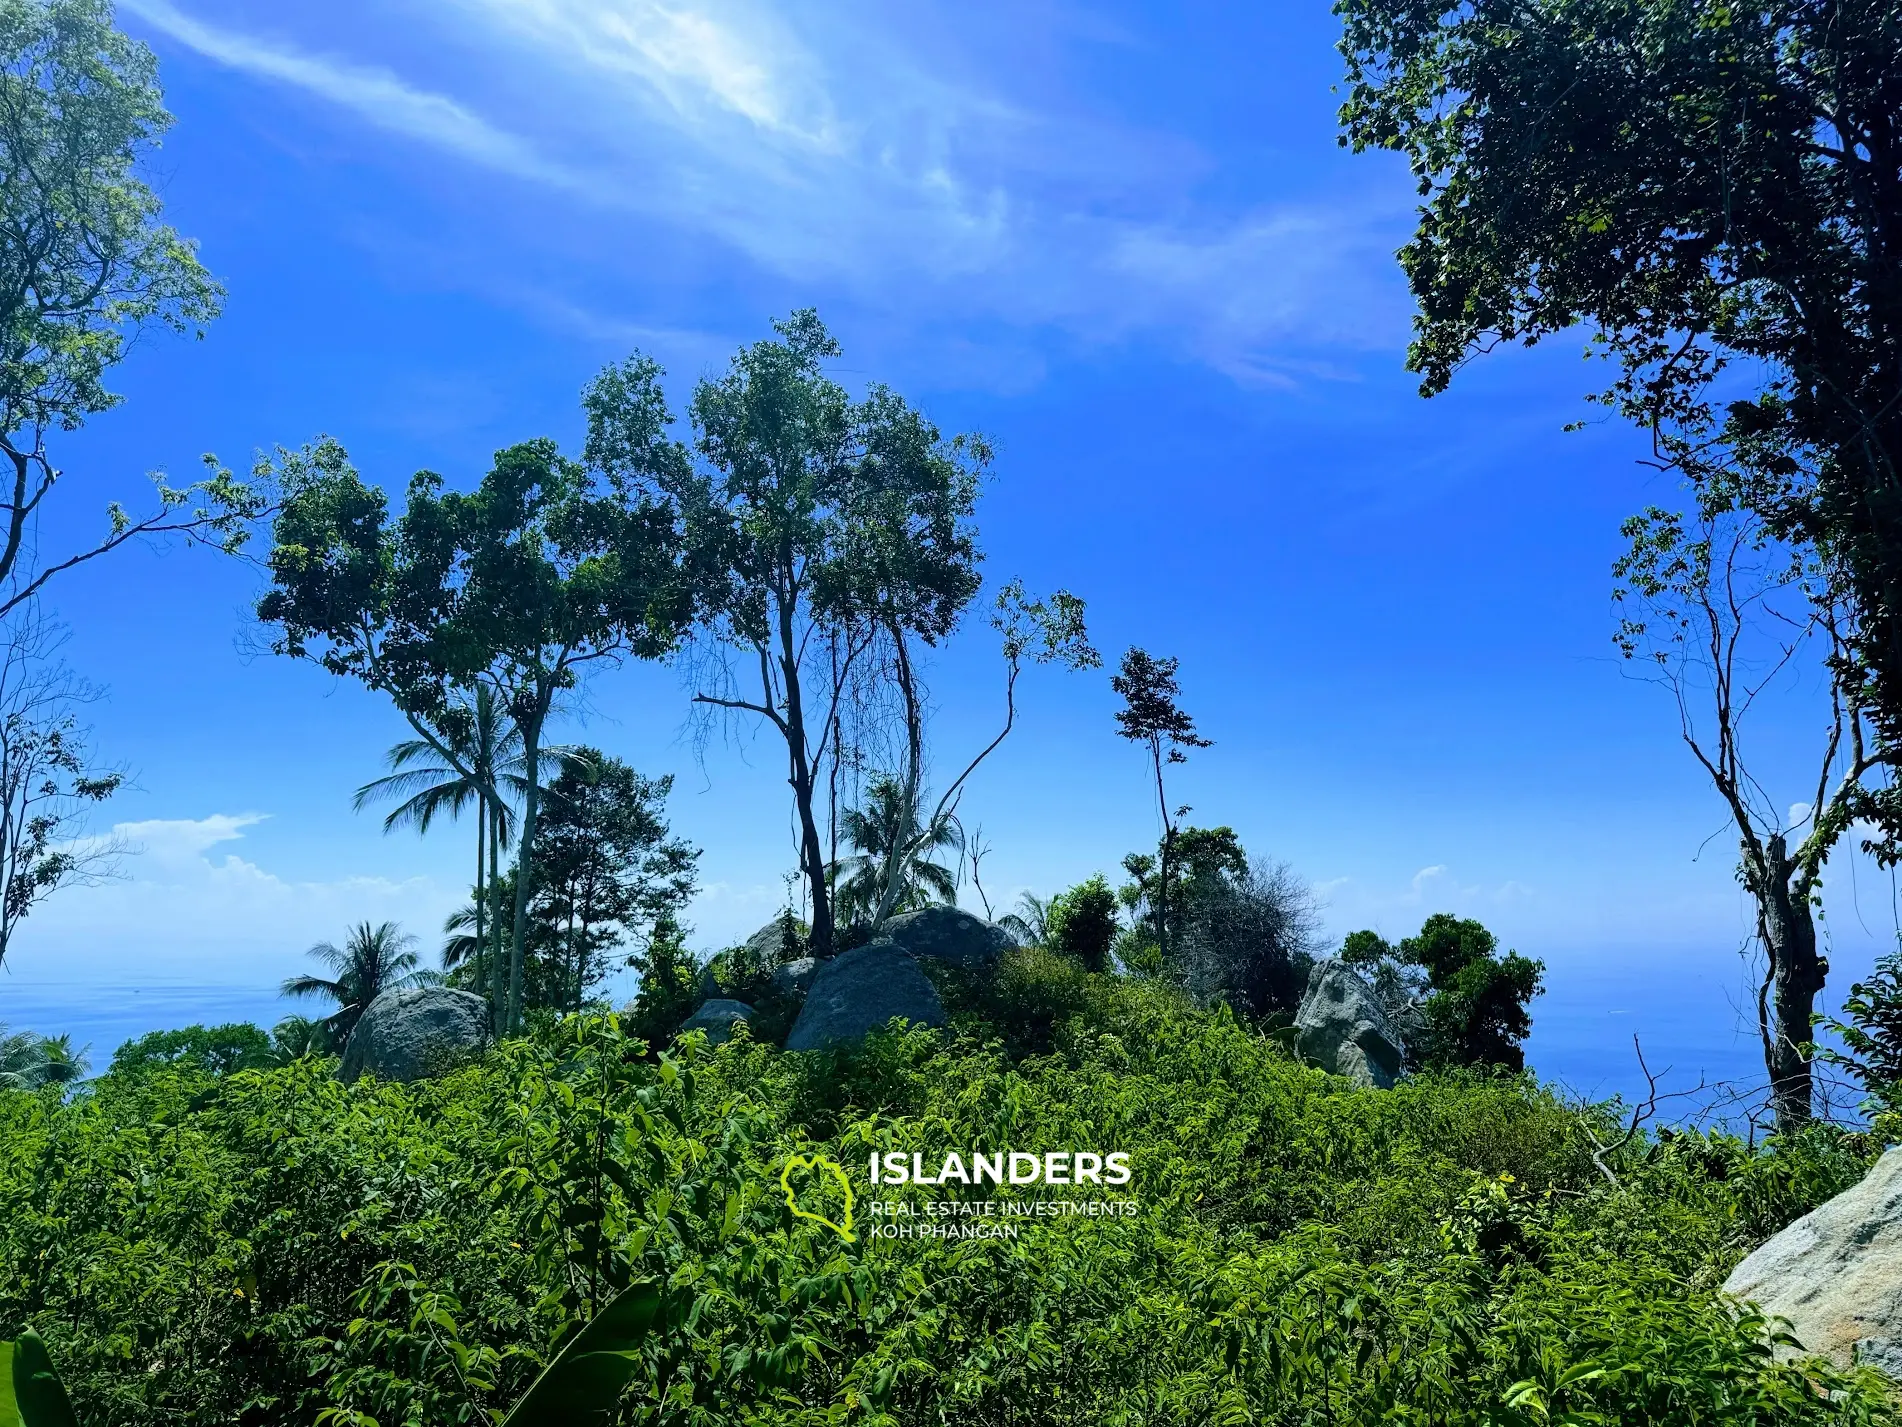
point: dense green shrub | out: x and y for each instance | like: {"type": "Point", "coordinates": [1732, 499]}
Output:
{"type": "Point", "coordinates": [276, 1247]}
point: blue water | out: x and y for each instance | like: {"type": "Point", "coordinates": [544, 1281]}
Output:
{"type": "Point", "coordinates": [1690, 1014]}
{"type": "Point", "coordinates": [104, 1017]}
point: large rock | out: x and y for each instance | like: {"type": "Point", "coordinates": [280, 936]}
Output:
{"type": "Point", "coordinates": [415, 1032]}
{"type": "Point", "coordinates": [1836, 1273]}
{"type": "Point", "coordinates": [778, 941]}
{"type": "Point", "coordinates": [952, 935]}
{"type": "Point", "coordinates": [861, 991]}
{"type": "Point", "coordinates": [794, 978]}
{"type": "Point", "coordinates": [1342, 1027]}
{"type": "Point", "coordinates": [717, 1018]}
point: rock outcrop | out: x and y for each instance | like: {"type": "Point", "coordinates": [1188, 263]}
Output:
{"type": "Point", "coordinates": [717, 1018]}
{"type": "Point", "coordinates": [1343, 1028]}
{"type": "Point", "coordinates": [416, 1032]}
{"type": "Point", "coordinates": [861, 991]}
{"type": "Point", "coordinates": [950, 935]}
{"type": "Point", "coordinates": [794, 978]}
{"type": "Point", "coordinates": [1836, 1273]}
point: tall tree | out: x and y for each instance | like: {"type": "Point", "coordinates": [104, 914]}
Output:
{"type": "Point", "coordinates": [1151, 717]}
{"type": "Point", "coordinates": [1714, 189]}
{"type": "Point", "coordinates": [372, 960]}
{"type": "Point", "coordinates": [1725, 616]}
{"type": "Point", "coordinates": [85, 265]}
{"type": "Point", "coordinates": [816, 524]}
{"type": "Point", "coordinates": [524, 585]}
{"type": "Point", "coordinates": [605, 870]}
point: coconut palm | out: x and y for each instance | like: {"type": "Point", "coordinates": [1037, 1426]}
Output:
{"type": "Point", "coordinates": [485, 753]}
{"type": "Point", "coordinates": [1030, 923]}
{"type": "Point", "coordinates": [372, 960]}
{"type": "Point", "coordinates": [295, 1037]}
{"type": "Point", "coordinates": [28, 1061]}
{"type": "Point", "coordinates": [60, 1064]}
{"type": "Point", "coordinates": [886, 822]}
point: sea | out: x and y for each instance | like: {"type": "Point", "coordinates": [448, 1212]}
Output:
{"type": "Point", "coordinates": [1689, 1017]}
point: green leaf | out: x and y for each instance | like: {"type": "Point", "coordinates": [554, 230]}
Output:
{"type": "Point", "coordinates": [31, 1394]}
{"type": "Point", "coordinates": [583, 1384]}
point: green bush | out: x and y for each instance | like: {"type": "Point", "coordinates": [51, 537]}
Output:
{"type": "Point", "coordinates": [275, 1247]}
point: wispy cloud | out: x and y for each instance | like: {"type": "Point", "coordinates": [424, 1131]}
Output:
{"type": "Point", "coordinates": [373, 94]}
{"type": "Point", "coordinates": [825, 146]}
{"type": "Point", "coordinates": [228, 916]}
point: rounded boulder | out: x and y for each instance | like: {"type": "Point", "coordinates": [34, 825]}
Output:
{"type": "Point", "coordinates": [863, 991]}
{"type": "Point", "coordinates": [416, 1032]}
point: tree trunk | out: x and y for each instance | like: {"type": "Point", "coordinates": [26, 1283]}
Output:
{"type": "Point", "coordinates": [481, 892]}
{"type": "Point", "coordinates": [811, 850]}
{"type": "Point", "coordinates": [531, 804]}
{"type": "Point", "coordinates": [1787, 926]}
{"type": "Point", "coordinates": [498, 987]}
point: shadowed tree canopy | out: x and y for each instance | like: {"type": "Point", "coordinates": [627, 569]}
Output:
{"type": "Point", "coordinates": [1714, 190]}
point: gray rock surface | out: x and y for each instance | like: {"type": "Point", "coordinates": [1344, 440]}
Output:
{"type": "Point", "coordinates": [1836, 1273]}
{"type": "Point", "coordinates": [777, 941]}
{"type": "Point", "coordinates": [793, 978]}
{"type": "Point", "coordinates": [860, 992]}
{"type": "Point", "coordinates": [416, 1032]}
{"type": "Point", "coordinates": [716, 1018]}
{"type": "Point", "coordinates": [1342, 1027]}
{"type": "Point", "coordinates": [950, 934]}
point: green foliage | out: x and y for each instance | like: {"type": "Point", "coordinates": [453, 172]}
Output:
{"type": "Point", "coordinates": [1457, 1001]}
{"type": "Point", "coordinates": [283, 1248]}
{"type": "Point", "coordinates": [668, 988]}
{"type": "Point", "coordinates": [86, 264]}
{"type": "Point", "coordinates": [1082, 923]}
{"type": "Point", "coordinates": [1684, 179]}
{"type": "Point", "coordinates": [1475, 1010]}
{"type": "Point", "coordinates": [815, 524]}
{"type": "Point", "coordinates": [29, 1061]}
{"type": "Point", "coordinates": [604, 869]}
{"type": "Point", "coordinates": [217, 1050]}
{"type": "Point", "coordinates": [31, 1393]}
{"type": "Point", "coordinates": [885, 830]}
{"type": "Point", "coordinates": [1872, 1034]}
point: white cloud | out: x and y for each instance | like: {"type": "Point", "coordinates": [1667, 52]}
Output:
{"type": "Point", "coordinates": [373, 94]}
{"type": "Point", "coordinates": [824, 146]}
{"type": "Point", "coordinates": [226, 917]}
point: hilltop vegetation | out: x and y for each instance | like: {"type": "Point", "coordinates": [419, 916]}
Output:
{"type": "Point", "coordinates": [273, 1246]}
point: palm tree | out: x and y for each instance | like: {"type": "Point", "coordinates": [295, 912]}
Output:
{"type": "Point", "coordinates": [295, 1037]}
{"type": "Point", "coordinates": [488, 749]}
{"type": "Point", "coordinates": [372, 960]}
{"type": "Point", "coordinates": [886, 822]}
{"type": "Point", "coordinates": [28, 1061]}
{"type": "Point", "coordinates": [1030, 924]}
{"type": "Point", "coordinates": [60, 1064]}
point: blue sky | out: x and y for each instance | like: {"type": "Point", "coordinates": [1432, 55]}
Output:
{"type": "Point", "coordinates": [1123, 242]}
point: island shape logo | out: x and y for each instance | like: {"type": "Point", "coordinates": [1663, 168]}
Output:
{"type": "Point", "coordinates": [827, 1166]}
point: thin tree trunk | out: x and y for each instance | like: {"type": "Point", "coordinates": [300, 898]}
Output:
{"type": "Point", "coordinates": [1166, 852]}
{"type": "Point", "coordinates": [811, 850]}
{"type": "Point", "coordinates": [531, 806]}
{"type": "Point", "coordinates": [482, 837]}
{"type": "Point", "coordinates": [498, 989]}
